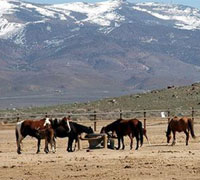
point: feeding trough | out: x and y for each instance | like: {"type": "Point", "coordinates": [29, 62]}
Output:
{"type": "Point", "coordinates": [97, 140]}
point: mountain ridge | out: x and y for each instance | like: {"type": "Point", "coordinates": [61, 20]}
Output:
{"type": "Point", "coordinates": [112, 47]}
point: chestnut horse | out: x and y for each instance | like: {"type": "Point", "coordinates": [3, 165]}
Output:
{"type": "Point", "coordinates": [40, 129]}
{"type": "Point", "coordinates": [122, 127]}
{"type": "Point", "coordinates": [183, 124]}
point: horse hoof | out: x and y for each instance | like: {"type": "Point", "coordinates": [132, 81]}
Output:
{"type": "Point", "coordinates": [18, 152]}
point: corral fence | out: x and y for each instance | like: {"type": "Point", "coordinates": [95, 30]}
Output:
{"type": "Point", "coordinates": [149, 117]}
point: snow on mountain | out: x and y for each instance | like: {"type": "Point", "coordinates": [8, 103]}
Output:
{"type": "Point", "coordinates": [185, 17]}
{"type": "Point", "coordinates": [99, 13]}
{"type": "Point", "coordinates": [108, 15]}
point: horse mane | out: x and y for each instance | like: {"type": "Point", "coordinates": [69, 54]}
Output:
{"type": "Point", "coordinates": [112, 126]}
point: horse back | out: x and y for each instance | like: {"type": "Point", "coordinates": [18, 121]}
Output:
{"type": "Point", "coordinates": [124, 127]}
{"type": "Point", "coordinates": [179, 125]}
{"type": "Point", "coordinates": [34, 128]}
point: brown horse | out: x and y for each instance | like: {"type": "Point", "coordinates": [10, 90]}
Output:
{"type": "Point", "coordinates": [122, 127]}
{"type": "Point", "coordinates": [183, 124]}
{"type": "Point", "coordinates": [40, 129]}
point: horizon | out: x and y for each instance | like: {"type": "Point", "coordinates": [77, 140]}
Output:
{"type": "Point", "coordinates": [193, 3]}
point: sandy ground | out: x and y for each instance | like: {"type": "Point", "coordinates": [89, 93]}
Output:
{"type": "Point", "coordinates": [155, 161]}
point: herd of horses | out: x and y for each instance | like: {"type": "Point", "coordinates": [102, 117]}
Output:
{"type": "Point", "coordinates": [50, 129]}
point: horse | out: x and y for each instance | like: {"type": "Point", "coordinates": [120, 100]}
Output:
{"type": "Point", "coordinates": [183, 124]}
{"type": "Point", "coordinates": [75, 130]}
{"type": "Point", "coordinates": [122, 127]}
{"type": "Point", "coordinates": [40, 129]}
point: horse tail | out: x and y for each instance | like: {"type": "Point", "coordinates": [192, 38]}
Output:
{"type": "Point", "coordinates": [168, 132]}
{"type": "Point", "coordinates": [140, 132]}
{"type": "Point", "coordinates": [19, 136]}
{"type": "Point", "coordinates": [191, 128]}
{"type": "Point", "coordinates": [16, 134]}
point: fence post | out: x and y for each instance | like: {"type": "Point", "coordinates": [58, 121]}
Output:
{"type": "Point", "coordinates": [145, 119]}
{"type": "Point", "coordinates": [95, 122]}
{"type": "Point", "coordinates": [17, 117]}
{"type": "Point", "coordinates": [192, 113]}
{"type": "Point", "coordinates": [120, 114]}
{"type": "Point", "coordinates": [105, 141]}
{"type": "Point", "coordinates": [168, 115]}
{"type": "Point", "coordinates": [79, 143]}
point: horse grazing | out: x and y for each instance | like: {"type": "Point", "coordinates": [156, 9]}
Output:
{"type": "Point", "coordinates": [40, 129]}
{"type": "Point", "coordinates": [131, 127]}
{"type": "Point", "coordinates": [184, 124]}
{"type": "Point", "coordinates": [75, 130]}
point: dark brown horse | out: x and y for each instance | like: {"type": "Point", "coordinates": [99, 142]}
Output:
{"type": "Point", "coordinates": [183, 124]}
{"type": "Point", "coordinates": [40, 129]}
{"type": "Point", "coordinates": [130, 127]}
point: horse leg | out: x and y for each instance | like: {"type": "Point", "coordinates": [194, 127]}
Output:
{"type": "Point", "coordinates": [187, 136]}
{"type": "Point", "coordinates": [131, 138]}
{"type": "Point", "coordinates": [76, 141]}
{"type": "Point", "coordinates": [19, 138]}
{"type": "Point", "coordinates": [38, 145]}
{"type": "Point", "coordinates": [69, 147]}
{"type": "Point", "coordinates": [54, 144]}
{"type": "Point", "coordinates": [123, 146]}
{"type": "Point", "coordinates": [52, 141]}
{"type": "Point", "coordinates": [19, 142]}
{"type": "Point", "coordinates": [46, 145]}
{"type": "Point", "coordinates": [118, 137]}
{"type": "Point", "coordinates": [174, 138]}
{"type": "Point", "coordinates": [145, 135]}
{"type": "Point", "coordinates": [137, 141]}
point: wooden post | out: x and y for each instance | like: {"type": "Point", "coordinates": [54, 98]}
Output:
{"type": "Point", "coordinates": [120, 114]}
{"type": "Point", "coordinates": [79, 143]}
{"type": "Point", "coordinates": [17, 117]}
{"type": "Point", "coordinates": [105, 141]}
{"type": "Point", "coordinates": [145, 119]}
{"type": "Point", "coordinates": [168, 115]}
{"type": "Point", "coordinates": [192, 113]}
{"type": "Point", "coordinates": [95, 123]}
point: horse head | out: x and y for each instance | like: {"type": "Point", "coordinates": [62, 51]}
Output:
{"type": "Point", "coordinates": [90, 130]}
{"type": "Point", "coordinates": [103, 130]}
{"type": "Point", "coordinates": [65, 123]}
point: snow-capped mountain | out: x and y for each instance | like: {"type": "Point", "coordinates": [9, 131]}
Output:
{"type": "Point", "coordinates": [110, 47]}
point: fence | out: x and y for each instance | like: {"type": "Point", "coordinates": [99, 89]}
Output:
{"type": "Point", "coordinates": [95, 116]}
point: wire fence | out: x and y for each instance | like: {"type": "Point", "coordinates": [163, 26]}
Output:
{"type": "Point", "coordinates": [160, 116]}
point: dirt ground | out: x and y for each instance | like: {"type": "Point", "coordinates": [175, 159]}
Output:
{"type": "Point", "coordinates": [152, 161]}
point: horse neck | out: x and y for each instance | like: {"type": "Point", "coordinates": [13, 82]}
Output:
{"type": "Point", "coordinates": [81, 128]}
{"type": "Point", "coordinates": [112, 126]}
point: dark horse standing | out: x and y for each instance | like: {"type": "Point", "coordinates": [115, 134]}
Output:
{"type": "Point", "coordinates": [40, 129]}
{"type": "Point", "coordinates": [75, 130]}
{"type": "Point", "coordinates": [184, 124]}
{"type": "Point", "coordinates": [130, 127]}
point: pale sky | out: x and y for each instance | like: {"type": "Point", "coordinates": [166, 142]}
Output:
{"type": "Point", "coordinates": [193, 3]}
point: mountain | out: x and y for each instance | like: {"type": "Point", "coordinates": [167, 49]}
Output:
{"type": "Point", "coordinates": [79, 51]}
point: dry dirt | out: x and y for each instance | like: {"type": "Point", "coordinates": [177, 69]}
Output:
{"type": "Point", "coordinates": [155, 161]}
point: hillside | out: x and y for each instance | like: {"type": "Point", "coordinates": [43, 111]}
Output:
{"type": "Point", "coordinates": [179, 100]}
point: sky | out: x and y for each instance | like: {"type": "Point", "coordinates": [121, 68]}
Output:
{"type": "Point", "coordinates": [193, 3]}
